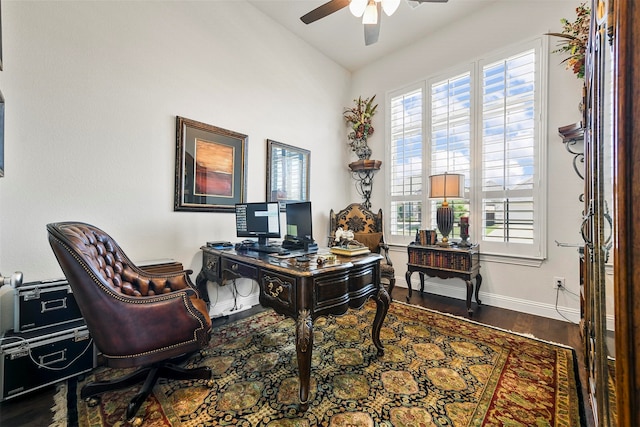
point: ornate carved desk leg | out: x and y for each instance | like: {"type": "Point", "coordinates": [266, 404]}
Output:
{"type": "Point", "coordinates": [304, 347]}
{"type": "Point", "coordinates": [421, 281]}
{"type": "Point", "coordinates": [478, 283]}
{"type": "Point", "coordinates": [408, 278]}
{"type": "Point", "coordinates": [382, 300]}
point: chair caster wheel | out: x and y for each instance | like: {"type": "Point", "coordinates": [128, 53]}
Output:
{"type": "Point", "coordinates": [210, 383]}
{"type": "Point", "coordinates": [136, 422]}
{"type": "Point", "coordinates": [92, 401]}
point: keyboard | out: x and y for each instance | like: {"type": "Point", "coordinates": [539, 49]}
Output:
{"type": "Point", "coordinates": [269, 249]}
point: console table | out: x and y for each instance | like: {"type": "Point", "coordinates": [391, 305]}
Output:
{"type": "Point", "coordinates": [303, 291]}
{"type": "Point", "coordinates": [445, 263]}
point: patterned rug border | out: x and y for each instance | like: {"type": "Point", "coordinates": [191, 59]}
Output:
{"type": "Point", "coordinates": [64, 409]}
{"type": "Point", "coordinates": [454, 316]}
{"type": "Point", "coordinates": [576, 372]}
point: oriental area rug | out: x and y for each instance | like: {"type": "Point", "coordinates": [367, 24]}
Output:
{"type": "Point", "coordinates": [437, 370]}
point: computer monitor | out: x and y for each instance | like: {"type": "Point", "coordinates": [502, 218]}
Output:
{"type": "Point", "coordinates": [299, 221]}
{"type": "Point", "coordinates": [261, 220]}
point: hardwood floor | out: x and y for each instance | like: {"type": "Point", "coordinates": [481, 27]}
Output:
{"type": "Point", "coordinates": [33, 409]}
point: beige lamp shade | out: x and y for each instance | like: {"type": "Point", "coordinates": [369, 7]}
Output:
{"type": "Point", "coordinates": [446, 185]}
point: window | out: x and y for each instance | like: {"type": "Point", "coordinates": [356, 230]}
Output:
{"type": "Point", "coordinates": [406, 126]}
{"type": "Point", "coordinates": [450, 148]}
{"type": "Point", "coordinates": [484, 121]}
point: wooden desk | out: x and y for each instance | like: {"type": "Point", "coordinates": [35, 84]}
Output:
{"type": "Point", "coordinates": [303, 292]}
{"type": "Point", "coordinates": [437, 261]}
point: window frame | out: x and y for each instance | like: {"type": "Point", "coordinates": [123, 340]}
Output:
{"type": "Point", "coordinates": [404, 240]}
{"type": "Point", "coordinates": [514, 251]}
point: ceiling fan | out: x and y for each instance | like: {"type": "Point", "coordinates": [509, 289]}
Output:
{"type": "Point", "coordinates": [369, 10]}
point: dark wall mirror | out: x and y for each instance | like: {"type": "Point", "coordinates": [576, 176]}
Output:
{"type": "Point", "coordinates": [287, 173]}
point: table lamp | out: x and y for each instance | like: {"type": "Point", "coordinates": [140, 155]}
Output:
{"type": "Point", "coordinates": [442, 186]}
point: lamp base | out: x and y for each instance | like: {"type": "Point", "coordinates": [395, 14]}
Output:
{"type": "Point", "coordinates": [444, 219]}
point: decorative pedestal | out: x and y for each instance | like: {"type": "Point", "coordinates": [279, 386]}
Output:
{"type": "Point", "coordinates": [362, 171]}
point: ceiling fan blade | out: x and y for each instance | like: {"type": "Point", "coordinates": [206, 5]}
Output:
{"type": "Point", "coordinates": [372, 31]}
{"type": "Point", "coordinates": [416, 3]}
{"type": "Point", "coordinates": [324, 10]}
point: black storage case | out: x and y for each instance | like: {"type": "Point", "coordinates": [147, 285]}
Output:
{"type": "Point", "coordinates": [44, 304]}
{"type": "Point", "coordinates": [32, 360]}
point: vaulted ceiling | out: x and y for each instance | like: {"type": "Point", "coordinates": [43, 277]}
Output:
{"type": "Point", "coordinates": [340, 36]}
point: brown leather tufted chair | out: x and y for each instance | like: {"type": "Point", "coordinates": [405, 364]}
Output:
{"type": "Point", "coordinates": [368, 229]}
{"type": "Point", "coordinates": [136, 319]}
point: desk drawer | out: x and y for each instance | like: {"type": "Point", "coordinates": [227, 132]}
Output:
{"type": "Point", "coordinates": [232, 269]}
{"type": "Point", "coordinates": [279, 292]}
{"type": "Point", "coordinates": [211, 266]}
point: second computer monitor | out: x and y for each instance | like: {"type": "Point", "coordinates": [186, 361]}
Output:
{"type": "Point", "coordinates": [299, 221]}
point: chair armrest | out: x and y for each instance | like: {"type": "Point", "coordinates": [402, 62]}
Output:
{"type": "Point", "coordinates": [384, 250]}
{"type": "Point", "coordinates": [178, 280]}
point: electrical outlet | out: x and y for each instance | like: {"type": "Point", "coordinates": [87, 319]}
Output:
{"type": "Point", "coordinates": [558, 282]}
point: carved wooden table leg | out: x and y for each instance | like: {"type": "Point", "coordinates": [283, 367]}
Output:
{"type": "Point", "coordinates": [304, 349]}
{"type": "Point", "coordinates": [469, 293]}
{"type": "Point", "coordinates": [382, 300]}
{"type": "Point", "coordinates": [478, 283]}
{"type": "Point", "coordinates": [408, 278]}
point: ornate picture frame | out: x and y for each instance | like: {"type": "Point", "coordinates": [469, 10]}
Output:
{"type": "Point", "coordinates": [287, 173]}
{"type": "Point", "coordinates": [211, 164]}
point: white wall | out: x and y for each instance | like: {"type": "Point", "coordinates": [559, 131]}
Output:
{"type": "Point", "coordinates": [92, 90]}
{"type": "Point", "coordinates": [523, 288]}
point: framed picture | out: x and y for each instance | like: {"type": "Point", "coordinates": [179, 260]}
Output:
{"type": "Point", "coordinates": [287, 173]}
{"type": "Point", "coordinates": [210, 167]}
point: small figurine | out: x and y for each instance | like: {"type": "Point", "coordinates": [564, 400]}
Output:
{"type": "Point", "coordinates": [343, 237]}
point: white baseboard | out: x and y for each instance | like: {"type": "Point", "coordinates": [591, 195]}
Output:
{"type": "Point", "coordinates": [524, 306]}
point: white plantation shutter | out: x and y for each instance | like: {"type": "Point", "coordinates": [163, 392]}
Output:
{"type": "Point", "coordinates": [406, 127]}
{"type": "Point", "coordinates": [509, 160]}
{"type": "Point", "coordinates": [451, 102]}
{"type": "Point", "coordinates": [484, 121]}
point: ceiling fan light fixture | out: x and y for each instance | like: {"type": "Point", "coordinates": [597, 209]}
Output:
{"type": "Point", "coordinates": [390, 6]}
{"type": "Point", "coordinates": [370, 13]}
{"type": "Point", "coordinates": [357, 7]}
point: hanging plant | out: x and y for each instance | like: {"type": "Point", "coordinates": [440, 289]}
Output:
{"type": "Point", "coordinates": [575, 36]}
{"type": "Point", "coordinates": [359, 120]}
